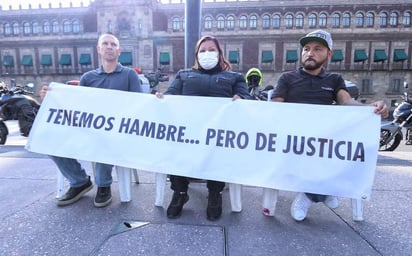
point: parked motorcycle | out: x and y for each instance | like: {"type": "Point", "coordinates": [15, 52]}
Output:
{"type": "Point", "coordinates": [253, 79]}
{"type": "Point", "coordinates": [391, 133]}
{"type": "Point", "coordinates": [154, 79]}
{"type": "Point", "coordinates": [17, 104]}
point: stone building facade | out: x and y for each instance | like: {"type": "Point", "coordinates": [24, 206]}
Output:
{"type": "Point", "coordinates": [372, 39]}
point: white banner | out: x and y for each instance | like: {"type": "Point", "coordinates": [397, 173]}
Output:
{"type": "Point", "coordinates": [297, 147]}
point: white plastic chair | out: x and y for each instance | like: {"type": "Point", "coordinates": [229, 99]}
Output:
{"type": "Point", "coordinates": [124, 179]}
{"type": "Point", "coordinates": [270, 199]}
{"type": "Point", "coordinates": [235, 193]}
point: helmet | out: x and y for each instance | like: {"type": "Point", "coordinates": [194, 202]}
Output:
{"type": "Point", "coordinates": [254, 77]}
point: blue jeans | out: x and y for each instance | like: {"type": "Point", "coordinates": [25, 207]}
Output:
{"type": "Point", "coordinates": [76, 175]}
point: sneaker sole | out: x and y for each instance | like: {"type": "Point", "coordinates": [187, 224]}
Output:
{"type": "Point", "coordinates": [76, 198]}
{"type": "Point", "coordinates": [102, 204]}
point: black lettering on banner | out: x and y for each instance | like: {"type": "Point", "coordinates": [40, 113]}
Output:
{"type": "Point", "coordinates": [148, 129]}
{"type": "Point", "coordinates": [160, 134]}
{"type": "Point", "coordinates": [152, 130]}
{"type": "Point", "coordinates": [86, 119]}
{"type": "Point", "coordinates": [110, 125]}
{"type": "Point", "coordinates": [322, 147]}
{"type": "Point", "coordinates": [226, 138]}
{"type": "Point", "coordinates": [52, 111]}
{"type": "Point", "coordinates": [77, 118]}
{"type": "Point", "coordinates": [263, 141]}
{"type": "Point", "coordinates": [99, 122]}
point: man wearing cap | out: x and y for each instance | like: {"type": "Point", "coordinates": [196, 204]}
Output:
{"type": "Point", "coordinates": [312, 84]}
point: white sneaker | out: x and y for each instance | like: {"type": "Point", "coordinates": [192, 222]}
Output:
{"type": "Point", "coordinates": [332, 202]}
{"type": "Point", "coordinates": [300, 207]}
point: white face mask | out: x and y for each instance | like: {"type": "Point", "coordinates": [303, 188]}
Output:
{"type": "Point", "coordinates": [207, 59]}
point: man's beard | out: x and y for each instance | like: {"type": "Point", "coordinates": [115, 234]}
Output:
{"type": "Point", "coordinates": [310, 66]}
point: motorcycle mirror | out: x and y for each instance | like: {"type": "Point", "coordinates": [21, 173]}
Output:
{"type": "Point", "coordinates": [405, 85]}
{"type": "Point", "coordinates": [31, 85]}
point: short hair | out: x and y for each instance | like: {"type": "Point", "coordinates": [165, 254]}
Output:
{"type": "Point", "coordinates": [99, 41]}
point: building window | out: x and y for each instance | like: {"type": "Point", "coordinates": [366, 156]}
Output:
{"type": "Point", "coordinates": [366, 86]}
{"type": "Point", "coordinates": [359, 19]}
{"type": "Point", "coordinates": [266, 21]}
{"type": "Point", "coordinates": [8, 61]}
{"type": "Point", "coordinates": [267, 57]}
{"type": "Point", "coordinates": [147, 51]}
{"type": "Point", "coordinates": [164, 58]}
{"type": "Point", "coordinates": [234, 57]}
{"type": "Point", "coordinates": [55, 27]}
{"type": "Point", "coordinates": [176, 24]}
{"type": "Point", "coordinates": [46, 27]}
{"type": "Point", "coordinates": [399, 55]}
{"type": "Point", "coordinates": [67, 26]}
{"type": "Point", "coordinates": [16, 29]}
{"type": "Point", "coordinates": [46, 60]}
{"type": "Point", "coordinates": [291, 56]}
{"type": "Point", "coordinates": [126, 59]}
{"type": "Point", "coordinates": [312, 20]}
{"type": "Point", "coordinates": [243, 22]}
{"type": "Point", "coordinates": [230, 23]}
{"type": "Point", "coordinates": [253, 21]}
{"type": "Point", "coordinates": [407, 19]}
{"type": "Point", "coordinates": [276, 21]}
{"type": "Point", "coordinates": [360, 56]}
{"type": "Point", "coordinates": [27, 60]}
{"type": "Point", "coordinates": [396, 86]}
{"type": "Point", "coordinates": [85, 59]}
{"type": "Point", "coordinates": [7, 29]}
{"type": "Point", "coordinates": [289, 21]}
{"type": "Point", "coordinates": [346, 20]}
{"type": "Point", "coordinates": [26, 28]}
{"type": "Point", "coordinates": [220, 23]}
{"type": "Point", "coordinates": [76, 26]}
{"type": "Point", "coordinates": [208, 23]}
{"type": "Point", "coordinates": [323, 20]}
{"type": "Point", "coordinates": [337, 56]}
{"type": "Point", "coordinates": [369, 21]}
{"type": "Point", "coordinates": [393, 19]}
{"type": "Point", "coordinates": [335, 20]}
{"type": "Point", "coordinates": [383, 19]}
{"type": "Point", "coordinates": [66, 60]}
{"type": "Point", "coordinates": [379, 55]}
{"type": "Point", "coordinates": [299, 21]}
{"type": "Point", "coordinates": [35, 28]}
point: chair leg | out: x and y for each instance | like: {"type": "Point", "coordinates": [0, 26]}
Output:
{"type": "Point", "coordinates": [235, 193]}
{"type": "Point", "coordinates": [270, 198]}
{"type": "Point", "coordinates": [124, 176]}
{"type": "Point", "coordinates": [136, 176]}
{"type": "Point", "coordinates": [60, 184]}
{"type": "Point", "coordinates": [357, 210]}
{"type": "Point", "coordinates": [160, 188]}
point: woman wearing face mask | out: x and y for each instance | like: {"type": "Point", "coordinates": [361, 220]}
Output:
{"type": "Point", "coordinates": [210, 76]}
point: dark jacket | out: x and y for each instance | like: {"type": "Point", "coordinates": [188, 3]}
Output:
{"type": "Point", "coordinates": [209, 83]}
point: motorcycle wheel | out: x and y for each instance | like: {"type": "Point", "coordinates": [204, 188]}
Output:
{"type": "Point", "coordinates": [3, 133]}
{"type": "Point", "coordinates": [389, 145]}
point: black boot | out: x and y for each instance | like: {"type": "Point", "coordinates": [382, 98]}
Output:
{"type": "Point", "coordinates": [214, 206]}
{"type": "Point", "coordinates": [176, 205]}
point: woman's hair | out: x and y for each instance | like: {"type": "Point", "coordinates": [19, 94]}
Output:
{"type": "Point", "coordinates": [222, 62]}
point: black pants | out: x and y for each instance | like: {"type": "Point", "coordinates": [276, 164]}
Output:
{"type": "Point", "coordinates": [316, 197]}
{"type": "Point", "coordinates": [181, 184]}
